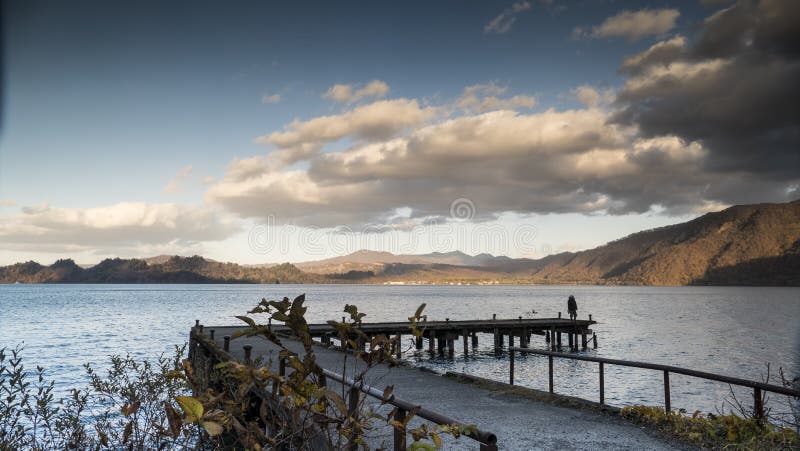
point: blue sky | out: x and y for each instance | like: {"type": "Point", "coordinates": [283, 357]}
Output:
{"type": "Point", "coordinates": [107, 104]}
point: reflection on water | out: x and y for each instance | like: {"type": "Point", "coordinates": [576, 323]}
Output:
{"type": "Point", "coordinates": [727, 330]}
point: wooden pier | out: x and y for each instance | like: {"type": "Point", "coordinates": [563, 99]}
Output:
{"type": "Point", "coordinates": [441, 336]}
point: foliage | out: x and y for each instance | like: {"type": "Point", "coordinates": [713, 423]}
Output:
{"type": "Point", "coordinates": [300, 405]}
{"type": "Point", "coordinates": [716, 431]}
{"type": "Point", "coordinates": [126, 407]}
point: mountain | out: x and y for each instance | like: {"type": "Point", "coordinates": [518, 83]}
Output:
{"type": "Point", "coordinates": [742, 245]}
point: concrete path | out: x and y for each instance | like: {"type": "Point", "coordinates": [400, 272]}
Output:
{"type": "Point", "coordinates": [519, 422]}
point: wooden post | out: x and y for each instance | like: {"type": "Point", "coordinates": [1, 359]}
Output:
{"type": "Point", "coordinates": [594, 340]}
{"type": "Point", "coordinates": [494, 315]}
{"type": "Point", "coordinates": [667, 406]}
{"type": "Point", "coordinates": [758, 404]}
{"type": "Point", "coordinates": [558, 341]}
{"type": "Point", "coordinates": [570, 340]}
{"type": "Point", "coordinates": [602, 386]}
{"type": "Point", "coordinates": [583, 340]}
{"type": "Point", "coordinates": [196, 322]}
{"type": "Point", "coordinates": [211, 333]}
{"type": "Point", "coordinates": [511, 339]}
{"type": "Point", "coordinates": [282, 367]}
{"type": "Point", "coordinates": [474, 339]}
{"type": "Point", "coordinates": [496, 340]}
{"type": "Point", "coordinates": [400, 435]}
{"type": "Point", "coordinates": [590, 317]}
{"type": "Point", "coordinates": [226, 343]}
{"type": "Point", "coordinates": [511, 366]}
{"type": "Point", "coordinates": [418, 342]}
{"type": "Point", "coordinates": [248, 349]}
{"type": "Point", "coordinates": [432, 342]}
{"type": "Point", "coordinates": [547, 336]}
{"type": "Point", "coordinates": [559, 315]}
{"type": "Point", "coordinates": [451, 346]}
{"type": "Point", "coordinates": [550, 371]}
{"type": "Point", "coordinates": [500, 337]}
{"type": "Point", "coordinates": [465, 335]}
{"type": "Point", "coordinates": [525, 338]}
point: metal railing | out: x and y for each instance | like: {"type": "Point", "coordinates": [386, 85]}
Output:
{"type": "Point", "coordinates": [758, 387]}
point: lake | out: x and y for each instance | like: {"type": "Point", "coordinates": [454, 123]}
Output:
{"type": "Point", "coordinates": [728, 330]}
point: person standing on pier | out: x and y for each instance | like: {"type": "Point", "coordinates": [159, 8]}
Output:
{"type": "Point", "coordinates": [572, 307]}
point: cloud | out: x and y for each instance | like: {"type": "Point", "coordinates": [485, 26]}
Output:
{"type": "Point", "coordinates": [176, 184]}
{"type": "Point", "coordinates": [207, 180]}
{"type": "Point", "coordinates": [270, 99]}
{"type": "Point", "coordinates": [633, 25]}
{"type": "Point", "coordinates": [7, 203]}
{"type": "Point", "coordinates": [731, 88]}
{"type": "Point", "coordinates": [591, 97]}
{"type": "Point", "coordinates": [375, 89]}
{"type": "Point", "coordinates": [375, 121]}
{"type": "Point", "coordinates": [122, 226]}
{"type": "Point", "coordinates": [502, 22]}
{"type": "Point", "coordinates": [484, 97]}
{"type": "Point", "coordinates": [503, 161]}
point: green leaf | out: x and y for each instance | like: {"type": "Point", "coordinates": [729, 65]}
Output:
{"type": "Point", "coordinates": [191, 407]}
{"type": "Point", "coordinates": [248, 320]}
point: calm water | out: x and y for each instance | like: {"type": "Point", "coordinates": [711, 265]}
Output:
{"type": "Point", "coordinates": [728, 330]}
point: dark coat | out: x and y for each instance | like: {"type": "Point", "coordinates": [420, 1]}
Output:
{"type": "Point", "coordinates": [572, 306]}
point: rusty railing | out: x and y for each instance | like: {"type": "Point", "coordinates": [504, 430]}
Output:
{"type": "Point", "coordinates": [758, 387]}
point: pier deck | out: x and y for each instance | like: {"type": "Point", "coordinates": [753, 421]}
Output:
{"type": "Point", "coordinates": [442, 335]}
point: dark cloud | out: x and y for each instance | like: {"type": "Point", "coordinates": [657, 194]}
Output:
{"type": "Point", "coordinates": [733, 89]}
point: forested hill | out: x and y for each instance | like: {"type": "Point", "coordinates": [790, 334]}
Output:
{"type": "Point", "coordinates": [172, 270]}
{"type": "Point", "coordinates": [742, 245]}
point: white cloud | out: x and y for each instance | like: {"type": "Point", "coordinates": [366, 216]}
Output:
{"type": "Point", "coordinates": [502, 22]}
{"type": "Point", "coordinates": [207, 180]}
{"type": "Point", "coordinates": [485, 97]}
{"type": "Point", "coordinates": [270, 99]}
{"type": "Point", "coordinates": [7, 203]}
{"type": "Point", "coordinates": [176, 184]}
{"type": "Point", "coordinates": [122, 226]}
{"type": "Point", "coordinates": [375, 121]}
{"type": "Point", "coordinates": [375, 89]}
{"type": "Point", "coordinates": [591, 97]}
{"type": "Point", "coordinates": [633, 25]}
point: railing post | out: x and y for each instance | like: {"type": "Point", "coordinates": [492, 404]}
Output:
{"type": "Point", "coordinates": [602, 385]}
{"type": "Point", "coordinates": [550, 365]}
{"type": "Point", "coordinates": [667, 406]}
{"type": "Point", "coordinates": [248, 350]}
{"type": "Point", "coordinates": [465, 337]}
{"type": "Point", "coordinates": [758, 410]}
{"type": "Point", "coordinates": [226, 343]}
{"type": "Point", "coordinates": [511, 365]}
{"type": "Point", "coordinates": [400, 435]}
{"type": "Point", "coordinates": [399, 346]}
{"type": "Point", "coordinates": [352, 412]}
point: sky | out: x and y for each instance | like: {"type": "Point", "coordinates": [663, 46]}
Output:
{"type": "Point", "coordinates": [261, 132]}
